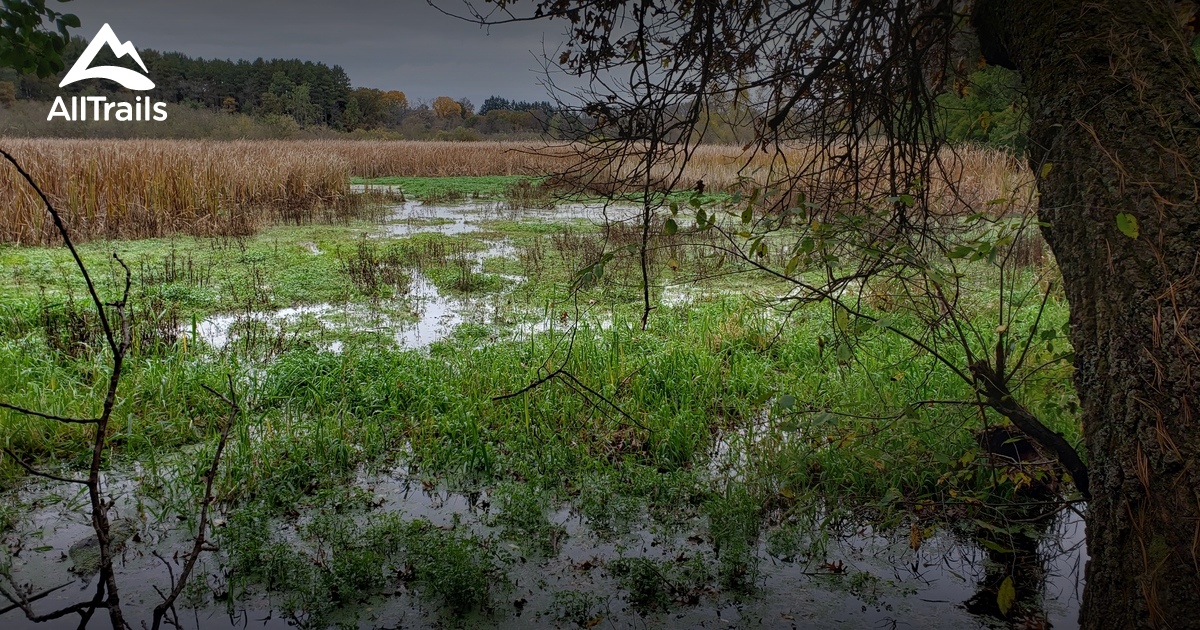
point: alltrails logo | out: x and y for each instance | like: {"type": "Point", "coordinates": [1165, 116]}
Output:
{"type": "Point", "coordinates": [101, 109]}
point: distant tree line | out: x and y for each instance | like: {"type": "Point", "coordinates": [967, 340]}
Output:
{"type": "Point", "coordinates": [299, 94]}
{"type": "Point", "coordinates": [987, 109]}
{"type": "Point", "coordinates": [310, 92]}
{"type": "Point", "coordinates": [291, 92]}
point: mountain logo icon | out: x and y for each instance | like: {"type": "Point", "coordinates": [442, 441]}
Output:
{"type": "Point", "coordinates": [126, 77]}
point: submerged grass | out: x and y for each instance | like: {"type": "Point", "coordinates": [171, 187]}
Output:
{"type": "Point", "coordinates": [685, 430]}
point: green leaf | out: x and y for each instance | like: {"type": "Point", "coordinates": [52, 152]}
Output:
{"type": "Point", "coordinates": [1006, 596]}
{"type": "Point", "coordinates": [1046, 168]}
{"type": "Point", "coordinates": [962, 251]}
{"type": "Point", "coordinates": [670, 227]}
{"type": "Point", "coordinates": [791, 265]}
{"type": "Point", "coordinates": [754, 245]}
{"type": "Point", "coordinates": [1128, 224]}
{"type": "Point", "coordinates": [824, 419]}
{"type": "Point", "coordinates": [998, 548]}
{"type": "Point", "coordinates": [842, 318]}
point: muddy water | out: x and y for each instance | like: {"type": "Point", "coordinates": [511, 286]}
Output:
{"type": "Point", "coordinates": [415, 217]}
{"type": "Point", "coordinates": [435, 315]}
{"type": "Point", "coordinates": [866, 578]}
{"type": "Point", "coordinates": [882, 582]}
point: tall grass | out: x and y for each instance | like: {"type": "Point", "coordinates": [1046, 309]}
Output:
{"type": "Point", "coordinates": [964, 178]}
{"type": "Point", "coordinates": [427, 158]}
{"type": "Point", "coordinates": [147, 188]}
{"type": "Point", "coordinates": [142, 188]}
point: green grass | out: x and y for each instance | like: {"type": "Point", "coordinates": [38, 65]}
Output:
{"type": "Point", "coordinates": [708, 377]}
{"type": "Point", "coordinates": [451, 188]}
{"type": "Point", "coordinates": [340, 561]}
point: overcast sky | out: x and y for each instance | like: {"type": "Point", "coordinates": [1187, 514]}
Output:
{"type": "Point", "coordinates": [392, 45]}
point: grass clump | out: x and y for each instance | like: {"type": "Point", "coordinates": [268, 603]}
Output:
{"type": "Point", "coordinates": [652, 585]}
{"type": "Point", "coordinates": [577, 608]}
{"type": "Point", "coordinates": [376, 271]}
{"type": "Point", "coordinates": [733, 526]}
{"type": "Point", "coordinates": [457, 569]}
{"type": "Point", "coordinates": [344, 559]}
{"type": "Point", "coordinates": [521, 516]}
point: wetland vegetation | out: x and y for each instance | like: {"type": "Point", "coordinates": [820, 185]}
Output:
{"type": "Point", "coordinates": [795, 314]}
{"type": "Point", "coordinates": [738, 458]}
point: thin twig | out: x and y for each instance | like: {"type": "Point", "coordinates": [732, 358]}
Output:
{"type": "Point", "coordinates": [39, 414]}
{"type": "Point", "coordinates": [198, 545]}
{"type": "Point", "coordinates": [33, 471]}
{"type": "Point", "coordinates": [32, 598]}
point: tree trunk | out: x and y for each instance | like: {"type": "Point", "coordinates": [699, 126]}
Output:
{"type": "Point", "coordinates": [1111, 87]}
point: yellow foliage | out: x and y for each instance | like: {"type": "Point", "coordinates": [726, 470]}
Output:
{"type": "Point", "coordinates": [446, 107]}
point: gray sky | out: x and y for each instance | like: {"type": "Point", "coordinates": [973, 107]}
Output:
{"type": "Point", "coordinates": [392, 45]}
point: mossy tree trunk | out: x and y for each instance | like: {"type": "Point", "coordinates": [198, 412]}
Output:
{"type": "Point", "coordinates": [1112, 91]}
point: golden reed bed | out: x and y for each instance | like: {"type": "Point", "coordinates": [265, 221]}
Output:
{"type": "Point", "coordinates": [149, 188]}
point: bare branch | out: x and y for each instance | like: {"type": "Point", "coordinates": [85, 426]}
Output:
{"type": "Point", "coordinates": [33, 471]}
{"type": "Point", "coordinates": [30, 412]}
{"type": "Point", "coordinates": [198, 545]}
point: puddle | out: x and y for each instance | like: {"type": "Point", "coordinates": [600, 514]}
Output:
{"type": "Point", "coordinates": [40, 558]}
{"type": "Point", "coordinates": [867, 579]}
{"type": "Point", "coordinates": [414, 217]}
{"type": "Point", "coordinates": [437, 315]}
{"type": "Point", "coordinates": [433, 315]}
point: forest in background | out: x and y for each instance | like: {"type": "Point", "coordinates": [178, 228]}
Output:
{"type": "Point", "coordinates": [291, 98]}
{"type": "Point", "coordinates": [267, 98]}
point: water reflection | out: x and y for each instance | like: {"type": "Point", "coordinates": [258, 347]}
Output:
{"type": "Point", "coordinates": [867, 579]}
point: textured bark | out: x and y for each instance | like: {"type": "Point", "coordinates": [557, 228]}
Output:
{"type": "Point", "coordinates": [1112, 88]}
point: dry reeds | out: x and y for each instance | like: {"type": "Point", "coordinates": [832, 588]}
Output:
{"type": "Point", "coordinates": [426, 158]}
{"type": "Point", "coordinates": [151, 188]}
